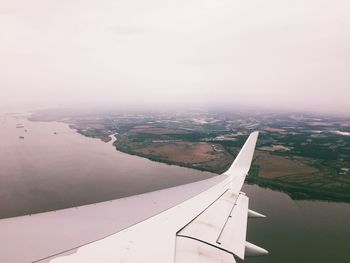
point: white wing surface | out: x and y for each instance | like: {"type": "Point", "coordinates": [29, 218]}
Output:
{"type": "Point", "coordinates": [202, 222]}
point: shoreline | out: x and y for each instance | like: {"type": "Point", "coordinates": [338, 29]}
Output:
{"type": "Point", "coordinates": [293, 191]}
{"type": "Point", "coordinates": [305, 187]}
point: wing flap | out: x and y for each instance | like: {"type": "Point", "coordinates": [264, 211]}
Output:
{"type": "Point", "coordinates": [209, 224]}
{"type": "Point", "coordinates": [194, 251]}
{"type": "Point", "coordinates": [233, 236]}
{"type": "Point", "coordinates": [222, 225]}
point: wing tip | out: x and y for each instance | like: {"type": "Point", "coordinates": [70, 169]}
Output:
{"type": "Point", "coordinates": [244, 158]}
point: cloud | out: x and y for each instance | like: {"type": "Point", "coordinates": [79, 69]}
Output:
{"type": "Point", "coordinates": [278, 54]}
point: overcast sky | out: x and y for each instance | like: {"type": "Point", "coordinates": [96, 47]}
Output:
{"type": "Point", "coordinates": [292, 54]}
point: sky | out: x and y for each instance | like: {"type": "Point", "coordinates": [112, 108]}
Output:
{"type": "Point", "coordinates": [292, 54]}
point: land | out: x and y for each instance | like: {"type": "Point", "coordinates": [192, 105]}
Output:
{"type": "Point", "coordinates": [304, 155]}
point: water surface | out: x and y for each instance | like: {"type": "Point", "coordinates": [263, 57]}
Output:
{"type": "Point", "coordinates": [298, 231]}
{"type": "Point", "coordinates": [47, 166]}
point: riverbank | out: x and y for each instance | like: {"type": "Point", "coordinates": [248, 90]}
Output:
{"type": "Point", "coordinates": [286, 184]}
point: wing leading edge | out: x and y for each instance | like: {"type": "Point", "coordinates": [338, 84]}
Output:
{"type": "Point", "coordinates": [207, 228]}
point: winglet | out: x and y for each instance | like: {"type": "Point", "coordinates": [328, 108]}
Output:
{"type": "Point", "coordinates": [244, 159]}
{"type": "Point", "coordinates": [241, 165]}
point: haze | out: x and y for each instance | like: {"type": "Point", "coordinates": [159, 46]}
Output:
{"type": "Point", "coordinates": [291, 54]}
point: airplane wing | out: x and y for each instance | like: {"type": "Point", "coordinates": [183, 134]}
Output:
{"type": "Point", "coordinates": [202, 222]}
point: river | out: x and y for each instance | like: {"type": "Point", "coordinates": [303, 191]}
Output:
{"type": "Point", "coordinates": [298, 231]}
{"type": "Point", "coordinates": [48, 166]}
